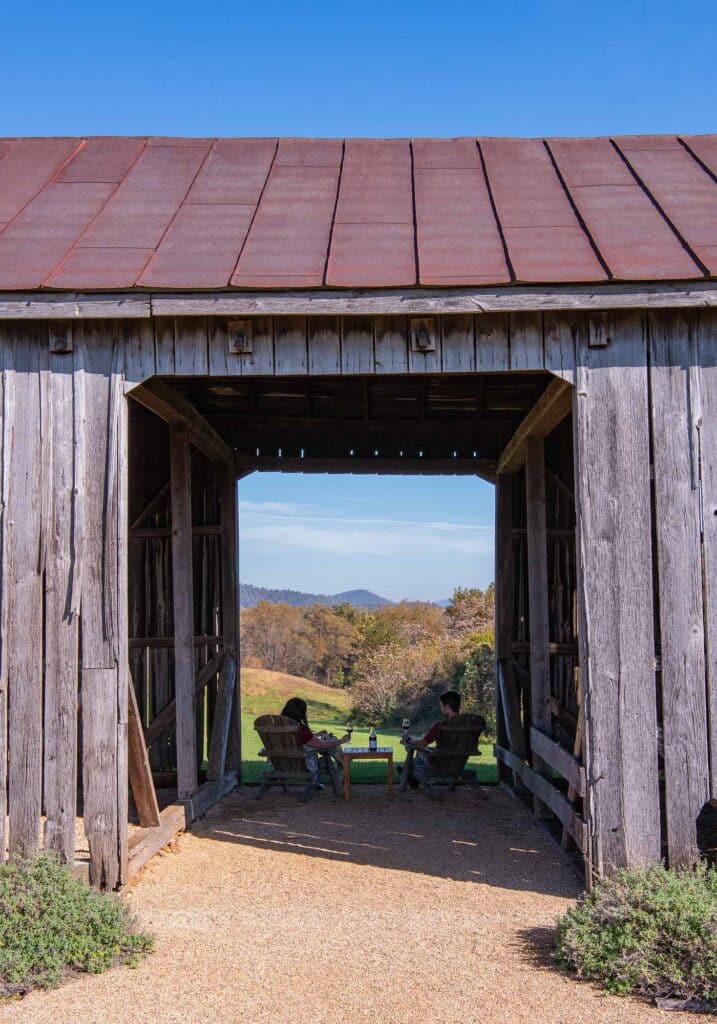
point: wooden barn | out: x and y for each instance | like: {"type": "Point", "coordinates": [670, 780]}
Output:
{"type": "Point", "coordinates": [177, 313]}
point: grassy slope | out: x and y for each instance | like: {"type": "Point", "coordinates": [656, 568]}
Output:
{"type": "Point", "coordinates": [264, 692]}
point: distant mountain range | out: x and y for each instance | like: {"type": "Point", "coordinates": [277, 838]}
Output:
{"type": "Point", "coordinates": [250, 596]}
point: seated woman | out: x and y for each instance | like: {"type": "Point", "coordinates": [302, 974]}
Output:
{"type": "Point", "coordinates": [295, 708]}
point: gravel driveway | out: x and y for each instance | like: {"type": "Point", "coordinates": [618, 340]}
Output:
{"type": "Point", "coordinates": [343, 913]}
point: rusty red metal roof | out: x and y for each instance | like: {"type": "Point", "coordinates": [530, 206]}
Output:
{"type": "Point", "coordinates": [191, 214]}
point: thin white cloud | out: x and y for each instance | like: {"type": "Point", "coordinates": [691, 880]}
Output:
{"type": "Point", "coordinates": [367, 537]}
{"type": "Point", "coordinates": [267, 507]}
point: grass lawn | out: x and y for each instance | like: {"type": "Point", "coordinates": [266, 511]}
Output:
{"type": "Point", "coordinates": [265, 692]}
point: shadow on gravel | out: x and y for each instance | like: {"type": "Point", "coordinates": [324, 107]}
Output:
{"type": "Point", "coordinates": [474, 835]}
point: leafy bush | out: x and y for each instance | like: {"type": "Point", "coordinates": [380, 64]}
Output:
{"type": "Point", "coordinates": [52, 923]}
{"type": "Point", "coordinates": [651, 932]}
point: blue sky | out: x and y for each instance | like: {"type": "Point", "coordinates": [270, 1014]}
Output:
{"type": "Point", "coordinates": [342, 68]}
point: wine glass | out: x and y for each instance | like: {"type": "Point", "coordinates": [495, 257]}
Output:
{"type": "Point", "coordinates": [349, 729]}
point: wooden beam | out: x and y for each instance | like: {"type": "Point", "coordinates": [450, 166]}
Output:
{"type": "Point", "coordinates": [219, 738]}
{"type": "Point", "coordinates": [166, 716]}
{"type": "Point", "coordinates": [537, 591]}
{"type": "Point", "coordinates": [559, 758]}
{"type": "Point", "coordinates": [384, 301]}
{"type": "Point", "coordinates": [548, 795]}
{"type": "Point", "coordinates": [410, 301]}
{"type": "Point", "coordinates": [551, 409]}
{"type": "Point", "coordinates": [376, 466]}
{"type": "Point", "coordinates": [140, 773]}
{"type": "Point", "coordinates": [183, 602]}
{"type": "Point", "coordinates": [171, 406]}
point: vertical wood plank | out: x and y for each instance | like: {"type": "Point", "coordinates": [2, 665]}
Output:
{"type": "Point", "coordinates": [183, 593]}
{"type": "Point", "coordinates": [222, 362]}
{"type": "Point", "coordinates": [391, 344]}
{"type": "Point", "coordinates": [503, 601]}
{"type": "Point", "coordinates": [357, 344]}
{"type": "Point", "coordinates": [612, 476]}
{"type": "Point", "coordinates": [6, 399]}
{"type": "Point", "coordinates": [117, 558]}
{"type": "Point", "coordinates": [260, 361]}
{"type": "Point", "coordinates": [61, 621]}
{"type": "Point", "coordinates": [679, 565]}
{"type": "Point", "coordinates": [100, 410]}
{"type": "Point", "coordinates": [164, 345]}
{"type": "Point", "coordinates": [706, 327]}
{"type": "Point", "coordinates": [190, 346]}
{"type": "Point", "coordinates": [559, 335]}
{"type": "Point", "coordinates": [25, 622]}
{"type": "Point", "coordinates": [324, 337]}
{"type": "Point", "coordinates": [458, 350]}
{"type": "Point", "coordinates": [138, 340]}
{"type": "Point", "coordinates": [290, 354]}
{"type": "Point", "coordinates": [492, 346]}
{"type": "Point", "coordinates": [538, 595]}
{"type": "Point", "coordinates": [230, 604]}
{"type": "Point", "coordinates": [526, 341]}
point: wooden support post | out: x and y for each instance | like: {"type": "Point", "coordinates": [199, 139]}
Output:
{"type": "Point", "coordinates": [230, 607]}
{"type": "Point", "coordinates": [503, 605]}
{"type": "Point", "coordinates": [614, 549]}
{"type": "Point", "coordinates": [675, 403]}
{"type": "Point", "coordinates": [538, 596]}
{"type": "Point", "coordinates": [140, 773]}
{"type": "Point", "coordinates": [183, 595]}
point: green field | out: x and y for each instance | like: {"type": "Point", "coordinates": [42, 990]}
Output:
{"type": "Point", "coordinates": [265, 692]}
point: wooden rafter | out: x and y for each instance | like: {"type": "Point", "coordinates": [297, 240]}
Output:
{"type": "Point", "coordinates": [551, 409]}
{"type": "Point", "coordinates": [171, 406]}
{"type": "Point", "coordinates": [483, 468]}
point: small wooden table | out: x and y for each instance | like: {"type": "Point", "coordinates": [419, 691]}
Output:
{"type": "Point", "coordinates": [364, 754]}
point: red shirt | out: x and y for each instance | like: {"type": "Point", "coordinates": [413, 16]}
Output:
{"type": "Point", "coordinates": [433, 733]}
{"type": "Point", "coordinates": [305, 735]}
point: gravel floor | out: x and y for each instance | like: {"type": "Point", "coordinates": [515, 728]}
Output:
{"type": "Point", "coordinates": [334, 913]}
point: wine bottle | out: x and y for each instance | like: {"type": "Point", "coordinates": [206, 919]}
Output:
{"type": "Point", "coordinates": [372, 739]}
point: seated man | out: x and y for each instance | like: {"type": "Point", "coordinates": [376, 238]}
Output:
{"type": "Point", "coordinates": [450, 703]}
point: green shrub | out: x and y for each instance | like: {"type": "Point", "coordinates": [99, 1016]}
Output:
{"type": "Point", "coordinates": [52, 923]}
{"type": "Point", "coordinates": [651, 932]}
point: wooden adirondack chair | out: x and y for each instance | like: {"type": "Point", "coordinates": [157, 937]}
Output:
{"type": "Point", "coordinates": [457, 741]}
{"type": "Point", "coordinates": [280, 739]}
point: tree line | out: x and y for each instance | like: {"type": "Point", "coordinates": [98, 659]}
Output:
{"type": "Point", "coordinates": [393, 660]}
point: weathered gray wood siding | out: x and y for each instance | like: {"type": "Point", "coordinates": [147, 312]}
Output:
{"type": "Point", "coordinates": [645, 405]}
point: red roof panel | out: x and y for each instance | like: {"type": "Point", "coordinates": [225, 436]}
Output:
{"type": "Point", "coordinates": [544, 239]}
{"type": "Point", "coordinates": [102, 159]}
{"type": "Point", "coordinates": [683, 190]}
{"type": "Point", "coordinates": [457, 235]}
{"type": "Point", "coordinates": [309, 153]}
{"type": "Point", "coordinates": [201, 247]}
{"type": "Point", "coordinates": [290, 213]}
{"type": "Point", "coordinates": [289, 238]}
{"type": "Point", "coordinates": [35, 242]}
{"type": "Point", "coordinates": [95, 268]}
{"type": "Point", "coordinates": [27, 168]}
{"type": "Point", "coordinates": [234, 172]}
{"type": "Point", "coordinates": [705, 149]}
{"type": "Point", "coordinates": [631, 235]}
{"type": "Point", "coordinates": [144, 204]}
{"type": "Point", "coordinates": [373, 237]}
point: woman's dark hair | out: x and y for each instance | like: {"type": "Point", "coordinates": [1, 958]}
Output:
{"type": "Point", "coordinates": [296, 709]}
{"type": "Point", "coordinates": [452, 699]}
